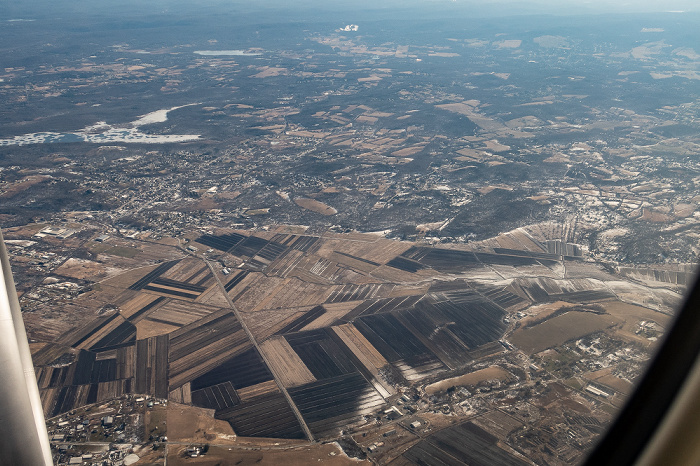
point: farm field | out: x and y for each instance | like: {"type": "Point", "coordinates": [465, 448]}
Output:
{"type": "Point", "coordinates": [295, 337]}
{"type": "Point", "coordinates": [555, 331]}
{"type": "Point", "coordinates": [329, 454]}
{"type": "Point", "coordinates": [463, 444]}
{"type": "Point", "coordinates": [471, 379]}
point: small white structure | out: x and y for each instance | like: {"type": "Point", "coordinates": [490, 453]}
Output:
{"type": "Point", "coordinates": [596, 391]}
{"type": "Point", "coordinates": [131, 459]}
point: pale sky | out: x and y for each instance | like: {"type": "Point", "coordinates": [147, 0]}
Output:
{"type": "Point", "coordinates": [476, 8]}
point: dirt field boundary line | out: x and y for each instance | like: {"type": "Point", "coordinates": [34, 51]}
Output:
{"type": "Point", "coordinates": [252, 339]}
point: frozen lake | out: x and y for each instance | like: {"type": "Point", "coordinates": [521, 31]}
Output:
{"type": "Point", "coordinates": [101, 133]}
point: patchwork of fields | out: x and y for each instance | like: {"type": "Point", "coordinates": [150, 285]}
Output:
{"type": "Point", "coordinates": [291, 336]}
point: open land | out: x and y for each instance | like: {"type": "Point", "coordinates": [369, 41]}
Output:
{"type": "Point", "coordinates": [266, 239]}
{"type": "Point", "coordinates": [243, 336]}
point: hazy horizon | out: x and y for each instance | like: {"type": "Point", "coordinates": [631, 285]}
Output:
{"type": "Point", "coordinates": [492, 8]}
